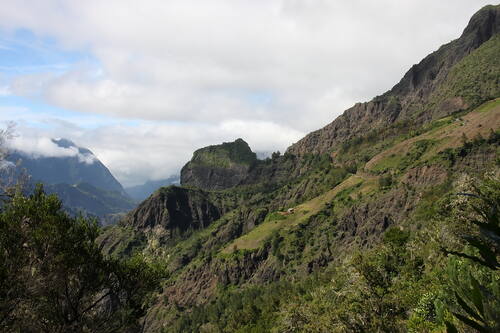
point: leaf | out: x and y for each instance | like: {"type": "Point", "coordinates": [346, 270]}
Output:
{"type": "Point", "coordinates": [470, 323]}
{"type": "Point", "coordinates": [485, 252]}
{"type": "Point", "coordinates": [473, 258]}
{"type": "Point", "coordinates": [477, 297]}
{"type": "Point", "coordinates": [450, 328]}
{"type": "Point", "coordinates": [467, 308]}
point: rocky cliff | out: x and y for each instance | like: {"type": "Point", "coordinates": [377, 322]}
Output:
{"type": "Point", "coordinates": [219, 166]}
{"type": "Point", "coordinates": [437, 86]}
{"type": "Point", "coordinates": [176, 208]}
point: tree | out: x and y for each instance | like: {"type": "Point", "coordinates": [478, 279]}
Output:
{"type": "Point", "coordinates": [54, 277]}
{"type": "Point", "coordinates": [5, 177]}
{"type": "Point", "coordinates": [475, 279]}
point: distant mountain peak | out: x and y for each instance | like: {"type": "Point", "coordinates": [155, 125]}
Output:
{"type": "Point", "coordinates": [72, 165]}
{"type": "Point", "coordinates": [141, 192]}
{"type": "Point", "coordinates": [63, 143]}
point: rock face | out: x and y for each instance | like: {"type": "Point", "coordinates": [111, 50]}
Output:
{"type": "Point", "coordinates": [423, 94]}
{"type": "Point", "coordinates": [176, 208]}
{"type": "Point", "coordinates": [219, 167]}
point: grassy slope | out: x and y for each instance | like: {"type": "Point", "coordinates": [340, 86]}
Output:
{"type": "Point", "coordinates": [445, 133]}
{"type": "Point", "coordinates": [262, 232]}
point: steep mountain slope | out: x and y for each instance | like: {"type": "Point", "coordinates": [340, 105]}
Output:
{"type": "Point", "coordinates": [293, 230]}
{"type": "Point", "coordinates": [442, 83]}
{"type": "Point", "coordinates": [81, 181]}
{"type": "Point", "coordinates": [107, 206]}
{"type": "Point", "coordinates": [82, 167]}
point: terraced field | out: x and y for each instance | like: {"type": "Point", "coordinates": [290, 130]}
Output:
{"type": "Point", "coordinates": [481, 121]}
{"type": "Point", "coordinates": [302, 212]}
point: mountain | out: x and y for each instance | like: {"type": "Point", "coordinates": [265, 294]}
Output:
{"type": "Point", "coordinates": [346, 231]}
{"type": "Point", "coordinates": [219, 166]}
{"type": "Point", "coordinates": [82, 167]}
{"type": "Point", "coordinates": [458, 76]}
{"type": "Point", "coordinates": [141, 192]}
{"type": "Point", "coordinates": [107, 206]}
{"type": "Point", "coordinates": [81, 181]}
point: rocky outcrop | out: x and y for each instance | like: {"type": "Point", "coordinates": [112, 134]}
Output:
{"type": "Point", "coordinates": [426, 175]}
{"type": "Point", "coordinates": [219, 167]}
{"type": "Point", "coordinates": [369, 220]}
{"type": "Point", "coordinates": [418, 97]}
{"type": "Point", "coordinates": [176, 208]}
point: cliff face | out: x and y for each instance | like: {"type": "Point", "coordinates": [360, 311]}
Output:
{"type": "Point", "coordinates": [219, 167]}
{"type": "Point", "coordinates": [176, 208]}
{"type": "Point", "coordinates": [433, 88]}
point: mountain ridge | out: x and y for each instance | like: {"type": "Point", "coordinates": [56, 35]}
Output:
{"type": "Point", "coordinates": [415, 88]}
{"type": "Point", "coordinates": [296, 224]}
{"type": "Point", "coordinates": [141, 192]}
{"type": "Point", "coordinates": [84, 184]}
{"type": "Point", "coordinates": [67, 169]}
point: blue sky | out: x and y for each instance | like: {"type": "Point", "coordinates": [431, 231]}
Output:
{"type": "Point", "coordinates": [24, 53]}
{"type": "Point", "coordinates": [144, 84]}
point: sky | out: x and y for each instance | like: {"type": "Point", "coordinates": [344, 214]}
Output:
{"type": "Point", "coordinates": [144, 83]}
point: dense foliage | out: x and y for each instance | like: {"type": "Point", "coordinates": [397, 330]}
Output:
{"type": "Point", "coordinates": [405, 283]}
{"type": "Point", "coordinates": [54, 278]}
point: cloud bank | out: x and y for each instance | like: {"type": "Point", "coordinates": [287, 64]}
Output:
{"type": "Point", "coordinates": [172, 76]}
{"type": "Point", "coordinates": [38, 146]}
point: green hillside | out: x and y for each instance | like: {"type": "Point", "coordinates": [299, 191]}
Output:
{"type": "Point", "coordinates": [385, 220]}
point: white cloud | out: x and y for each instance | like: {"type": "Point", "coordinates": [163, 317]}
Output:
{"type": "Point", "coordinates": [6, 165]}
{"type": "Point", "coordinates": [4, 91]}
{"type": "Point", "coordinates": [191, 59]}
{"type": "Point", "coordinates": [156, 151]}
{"type": "Point", "coordinates": [268, 71]}
{"type": "Point", "coordinates": [40, 146]}
{"type": "Point", "coordinates": [149, 150]}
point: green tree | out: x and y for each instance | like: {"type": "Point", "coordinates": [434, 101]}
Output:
{"type": "Point", "coordinates": [475, 276]}
{"type": "Point", "coordinates": [54, 277]}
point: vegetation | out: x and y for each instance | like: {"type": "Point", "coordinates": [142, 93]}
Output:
{"type": "Point", "coordinates": [396, 230]}
{"type": "Point", "coordinates": [475, 78]}
{"type": "Point", "coordinates": [225, 155]}
{"type": "Point", "coordinates": [317, 271]}
{"type": "Point", "coordinates": [392, 288]}
{"type": "Point", "coordinates": [54, 278]}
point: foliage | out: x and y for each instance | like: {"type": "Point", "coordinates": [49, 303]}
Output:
{"type": "Point", "coordinates": [385, 181]}
{"type": "Point", "coordinates": [225, 155]}
{"type": "Point", "coordinates": [475, 77]}
{"type": "Point", "coordinates": [475, 279]}
{"type": "Point", "coordinates": [54, 278]}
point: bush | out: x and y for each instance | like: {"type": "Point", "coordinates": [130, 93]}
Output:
{"type": "Point", "coordinates": [54, 277]}
{"type": "Point", "coordinates": [385, 181]}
